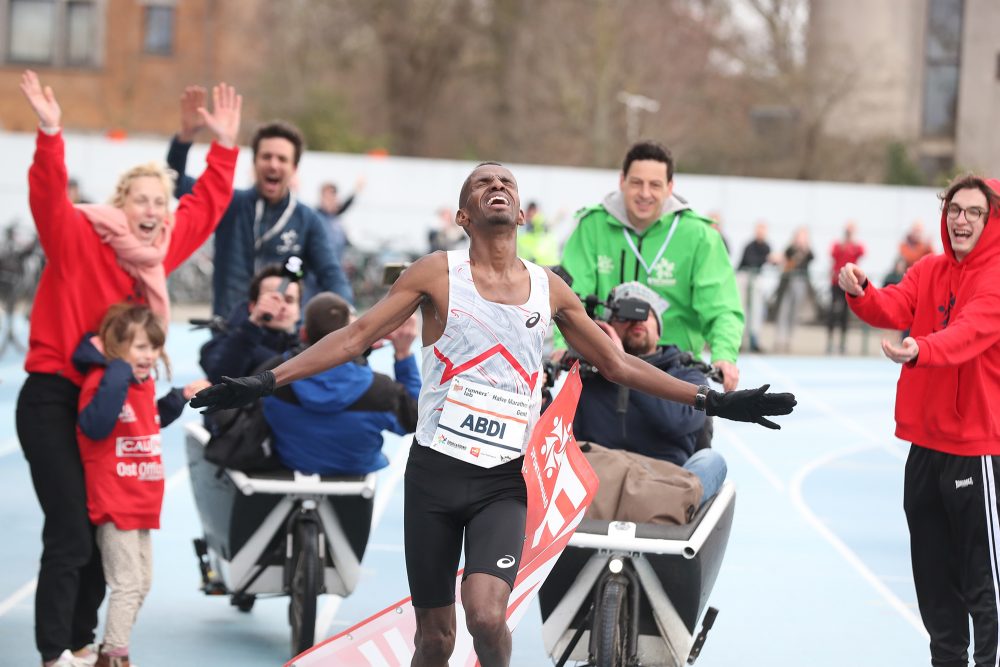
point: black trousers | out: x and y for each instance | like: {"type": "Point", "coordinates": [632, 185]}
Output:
{"type": "Point", "coordinates": [70, 577]}
{"type": "Point", "coordinates": [838, 314]}
{"type": "Point", "coordinates": [951, 509]}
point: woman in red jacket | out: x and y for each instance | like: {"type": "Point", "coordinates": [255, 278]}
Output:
{"type": "Point", "coordinates": [946, 405]}
{"type": "Point", "coordinates": [96, 256]}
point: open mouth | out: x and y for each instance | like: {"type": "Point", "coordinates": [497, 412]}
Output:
{"type": "Point", "coordinates": [498, 201]}
{"type": "Point", "coordinates": [147, 227]}
{"type": "Point", "coordinates": [962, 233]}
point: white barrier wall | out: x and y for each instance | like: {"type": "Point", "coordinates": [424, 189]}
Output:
{"type": "Point", "coordinates": [398, 207]}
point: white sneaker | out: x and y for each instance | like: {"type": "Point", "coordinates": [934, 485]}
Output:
{"type": "Point", "coordinates": [89, 659]}
{"type": "Point", "coordinates": [67, 659]}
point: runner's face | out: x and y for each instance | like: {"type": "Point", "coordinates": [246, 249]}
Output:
{"type": "Point", "coordinates": [145, 208]}
{"type": "Point", "coordinates": [274, 168]}
{"type": "Point", "coordinates": [493, 196]}
{"type": "Point", "coordinates": [142, 355]}
{"type": "Point", "coordinates": [645, 187]}
{"type": "Point", "coordinates": [638, 337]}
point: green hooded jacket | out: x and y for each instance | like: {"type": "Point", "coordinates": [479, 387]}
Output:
{"type": "Point", "coordinates": [687, 264]}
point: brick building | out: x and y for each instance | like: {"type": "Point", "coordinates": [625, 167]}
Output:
{"type": "Point", "coordinates": [119, 66]}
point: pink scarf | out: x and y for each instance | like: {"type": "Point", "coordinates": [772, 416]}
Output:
{"type": "Point", "coordinates": [142, 262]}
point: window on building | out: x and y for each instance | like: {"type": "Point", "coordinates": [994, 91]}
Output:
{"type": "Point", "coordinates": [56, 33]}
{"type": "Point", "coordinates": [942, 67]}
{"type": "Point", "coordinates": [30, 26]}
{"type": "Point", "coordinates": [159, 30]}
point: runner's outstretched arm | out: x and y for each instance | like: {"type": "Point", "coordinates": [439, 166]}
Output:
{"type": "Point", "coordinates": [595, 346]}
{"type": "Point", "coordinates": [336, 348]}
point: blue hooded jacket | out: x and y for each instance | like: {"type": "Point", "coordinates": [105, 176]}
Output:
{"type": "Point", "coordinates": [332, 423]}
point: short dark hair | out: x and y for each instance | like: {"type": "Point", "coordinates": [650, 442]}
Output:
{"type": "Point", "coordinates": [279, 129]}
{"type": "Point", "coordinates": [325, 313]}
{"type": "Point", "coordinates": [971, 182]}
{"type": "Point", "coordinates": [329, 185]}
{"type": "Point", "coordinates": [269, 271]}
{"type": "Point", "coordinates": [649, 150]}
{"type": "Point", "coordinates": [464, 192]}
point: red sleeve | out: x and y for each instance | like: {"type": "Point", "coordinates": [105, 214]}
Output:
{"type": "Point", "coordinates": [891, 307]}
{"type": "Point", "coordinates": [973, 330]}
{"type": "Point", "coordinates": [199, 213]}
{"type": "Point", "coordinates": [58, 223]}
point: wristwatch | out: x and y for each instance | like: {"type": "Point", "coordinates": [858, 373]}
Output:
{"type": "Point", "coordinates": [701, 397]}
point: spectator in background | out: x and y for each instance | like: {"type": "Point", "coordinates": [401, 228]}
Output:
{"type": "Point", "coordinates": [258, 330]}
{"type": "Point", "coordinates": [73, 192]}
{"type": "Point", "coordinates": [794, 286]}
{"type": "Point", "coordinates": [331, 208]}
{"type": "Point", "coordinates": [331, 423]}
{"type": "Point", "coordinates": [447, 235]}
{"type": "Point", "coordinates": [716, 218]}
{"type": "Point", "coordinates": [915, 245]}
{"type": "Point", "coordinates": [535, 241]}
{"type": "Point", "coordinates": [97, 255]}
{"type": "Point", "coordinates": [846, 251]}
{"type": "Point", "coordinates": [263, 224]}
{"type": "Point", "coordinates": [756, 254]}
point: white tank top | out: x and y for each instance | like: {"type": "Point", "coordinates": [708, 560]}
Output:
{"type": "Point", "coordinates": [485, 342]}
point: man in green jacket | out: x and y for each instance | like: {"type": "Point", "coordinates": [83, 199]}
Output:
{"type": "Point", "coordinates": [646, 233]}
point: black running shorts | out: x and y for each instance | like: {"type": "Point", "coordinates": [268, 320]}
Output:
{"type": "Point", "coordinates": [443, 499]}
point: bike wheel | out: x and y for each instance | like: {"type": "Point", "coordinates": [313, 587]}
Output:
{"type": "Point", "coordinates": [306, 575]}
{"type": "Point", "coordinates": [610, 625]}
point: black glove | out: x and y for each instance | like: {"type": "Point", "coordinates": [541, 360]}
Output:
{"type": "Point", "coordinates": [749, 405]}
{"type": "Point", "coordinates": [234, 392]}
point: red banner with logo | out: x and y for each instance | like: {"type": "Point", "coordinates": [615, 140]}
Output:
{"type": "Point", "coordinates": [561, 485]}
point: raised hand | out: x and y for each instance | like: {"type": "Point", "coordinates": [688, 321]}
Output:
{"type": "Point", "coordinates": [851, 278]}
{"type": "Point", "coordinates": [750, 405]}
{"type": "Point", "coordinates": [224, 121]}
{"type": "Point", "coordinates": [234, 392]}
{"type": "Point", "coordinates": [192, 99]}
{"type": "Point", "coordinates": [43, 101]}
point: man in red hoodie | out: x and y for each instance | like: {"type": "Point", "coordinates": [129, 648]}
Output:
{"type": "Point", "coordinates": [946, 406]}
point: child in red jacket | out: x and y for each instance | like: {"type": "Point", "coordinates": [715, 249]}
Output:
{"type": "Point", "coordinates": [119, 436]}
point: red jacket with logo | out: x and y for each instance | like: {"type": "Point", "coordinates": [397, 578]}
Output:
{"type": "Point", "coordinates": [947, 399]}
{"type": "Point", "coordinates": [82, 277]}
{"type": "Point", "coordinates": [123, 471]}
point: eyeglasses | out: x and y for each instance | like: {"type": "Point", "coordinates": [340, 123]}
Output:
{"type": "Point", "coordinates": [972, 214]}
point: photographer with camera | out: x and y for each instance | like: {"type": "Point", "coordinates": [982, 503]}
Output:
{"type": "Point", "coordinates": [260, 329]}
{"type": "Point", "coordinates": [616, 417]}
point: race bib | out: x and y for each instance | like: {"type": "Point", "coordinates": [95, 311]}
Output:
{"type": "Point", "coordinates": [481, 425]}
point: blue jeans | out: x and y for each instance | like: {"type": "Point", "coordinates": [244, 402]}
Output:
{"type": "Point", "coordinates": [710, 468]}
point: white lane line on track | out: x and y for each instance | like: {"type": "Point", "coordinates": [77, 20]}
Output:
{"type": "Point", "coordinates": [28, 588]}
{"type": "Point", "coordinates": [14, 599]}
{"type": "Point", "coordinates": [798, 501]}
{"type": "Point", "coordinates": [747, 452]}
{"type": "Point", "coordinates": [8, 446]}
{"type": "Point", "coordinates": [383, 494]}
{"type": "Point", "coordinates": [846, 552]}
{"type": "Point", "coordinates": [805, 396]}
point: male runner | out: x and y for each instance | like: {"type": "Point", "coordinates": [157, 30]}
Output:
{"type": "Point", "coordinates": [485, 313]}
